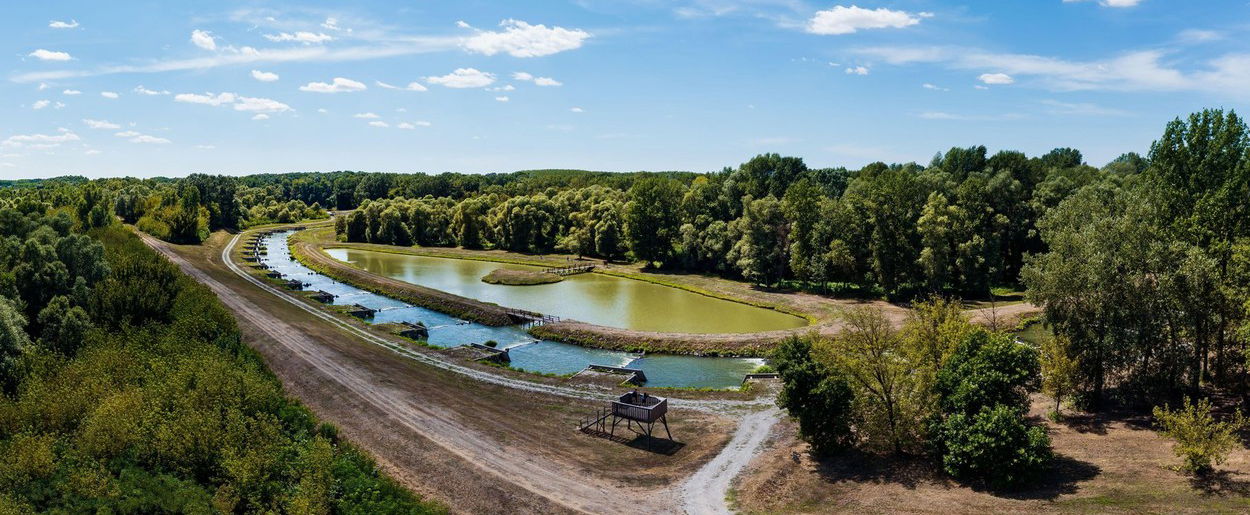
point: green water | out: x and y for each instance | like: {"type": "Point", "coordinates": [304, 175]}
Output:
{"type": "Point", "coordinates": [592, 298]}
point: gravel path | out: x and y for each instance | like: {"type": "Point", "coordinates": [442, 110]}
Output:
{"type": "Point", "coordinates": [704, 493]}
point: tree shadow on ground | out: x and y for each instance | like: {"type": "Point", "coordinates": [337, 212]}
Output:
{"type": "Point", "coordinates": [1062, 476]}
{"type": "Point", "coordinates": [1220, 483]}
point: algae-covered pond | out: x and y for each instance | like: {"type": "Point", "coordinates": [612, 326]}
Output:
{"type": "Point", "coordinates": [593, 298]}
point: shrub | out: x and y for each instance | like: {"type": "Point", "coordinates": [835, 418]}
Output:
{"type": "Point", "coordinates": [995, 445]}
{"type": "Point", "coordinates": [1201, 441]}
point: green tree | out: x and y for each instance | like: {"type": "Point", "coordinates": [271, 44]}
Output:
{"type": "Point", "coordinates": [13, 342]}
{"type": "Point", "coordinates": [994, 445]}
{"type": "Point", "coordinates": [818, 397]}
{"type": "Point", "coordinates": [62, 326]}
{"type": "Point", "coordinates": [889, 397]}
{"type": "Point", "coordinates": [652, 218]}
{"type": "Point", "coordinates": [1059, 370]}
{"type": "Point", "coordinates": [1201, 440]}
{"type": "Point", "coordinates": [762, 249]}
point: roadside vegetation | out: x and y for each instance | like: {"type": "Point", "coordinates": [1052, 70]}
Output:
{"type": "Point", "coordinates": [126, 388]}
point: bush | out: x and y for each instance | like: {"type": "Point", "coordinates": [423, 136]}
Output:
{"type": "Point", "coordinates": [994, 445]}
{"type": "Point", "coordinates": [492, 343]}
{"type": "Point", "coordinates": [1201, 441]}
{"type": "Point", "coordinates": [980, 433]}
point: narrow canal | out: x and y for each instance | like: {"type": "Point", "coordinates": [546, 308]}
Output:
{"type": "Point", "coordinates": [527, 353]}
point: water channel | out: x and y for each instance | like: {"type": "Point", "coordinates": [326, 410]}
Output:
{"type": "Point", "coordinates": [527, 353]}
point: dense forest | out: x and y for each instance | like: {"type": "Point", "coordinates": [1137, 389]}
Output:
{"type": "Point", "coordinates": [125, 388]}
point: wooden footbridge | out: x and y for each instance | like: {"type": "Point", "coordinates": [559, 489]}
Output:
{"type": "Point", "coordinates": [532, 319]}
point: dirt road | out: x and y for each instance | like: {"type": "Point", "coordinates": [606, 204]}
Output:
{"type": "Point", "coordinates": [704, 493]}
{"type": "Point", "coordinates": [526, 480]}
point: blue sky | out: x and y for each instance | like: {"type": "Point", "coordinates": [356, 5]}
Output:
{"type": "Point", "coordinates": [170, 88]}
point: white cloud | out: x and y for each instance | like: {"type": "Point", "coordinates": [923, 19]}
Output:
{"type": "Point", "coordinates": [206, 99]}
{"type": "Point", "coordinates": [462, 24]}
{"type": "Point", "coordinates": [39, 140]}
{"type": "Point", "coordinates": [379, 123]}
{"type": "Point", "coordinates": [366, 116]}
{"type": "Point", "coordinates": [43, 86]}
{"type": "Point", "coordinates": [933, 87]}
{"type": "Point", "coordinates": [522, 76]}
{"type": "Point", "coordinates": [57, 24]}
{"type": "Point", "coordinates": [502, 99]}
{"type": "Point", "coordinates": [996, 78]}
{"type": "Point", "coordinates": [109, 95]}
{"type": "Point", "coordinates": [333, 24]}
{"type": "Point", "coordinates": [251, 56]}
{"type": "Point", "coordinates": [941, 115]}
{"type": "Point", "coordinates": [1142, 70]}
{"type": "Point", "coordinates": [49, 55]}
{"type": "Point", "coordinates": [261, 116]}
{"type": "Point", "coordinates": [40, 104]}
{"type": "Point", "coordinates": [520, 39]}
{"type": "Point", "coordinates": [1199, 35]}
{"type": "Point", "coordinates": [338, 85]}
{"type": "Point", "coordinates": [206, 147]}
{"type": "Point", "coordinates": [307, 38]}
{"type": "Point", "coordinates": [322, 110]}
{"type": "Point", "coordinates": [857, 70]}
{"type": "Point", "coordinates": [100, 124]}
{"type": "Point", "coordinates": [264, 76]}
{"type": "Point", "coordinates": [505, 87]}
{"type": "Point", "coordinates": [848, 20]}
{"type": "Point", "coordinates": [422, 123]}
{"type": "Point", "coordinates": [203, 39]}
{"type": "Point", "coordinates": [1110, 3]}
{"type": "Point", "coordinates": [577, 110]}
{"type": "Point", "coordinates": [144, 138]}
{"type": "Point", "coordinates": [547, 81]}
{"type": "Point", "coordinates": [150, 92]}
{"type": "Point", "coordinates": [412, 86]}
{"type": "Point", "coordinates": [261, 105]}
{"type": "Point", "coordinates": [126, 134]}
{"type": "Point", "coordinates": [1081, 109]}
{"type": "Point", "coordinates": [92, 152]}
{"type": "Point", "coordinates": [464, 78]}
{"type": "Point", "coordinates": [71, 92]}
